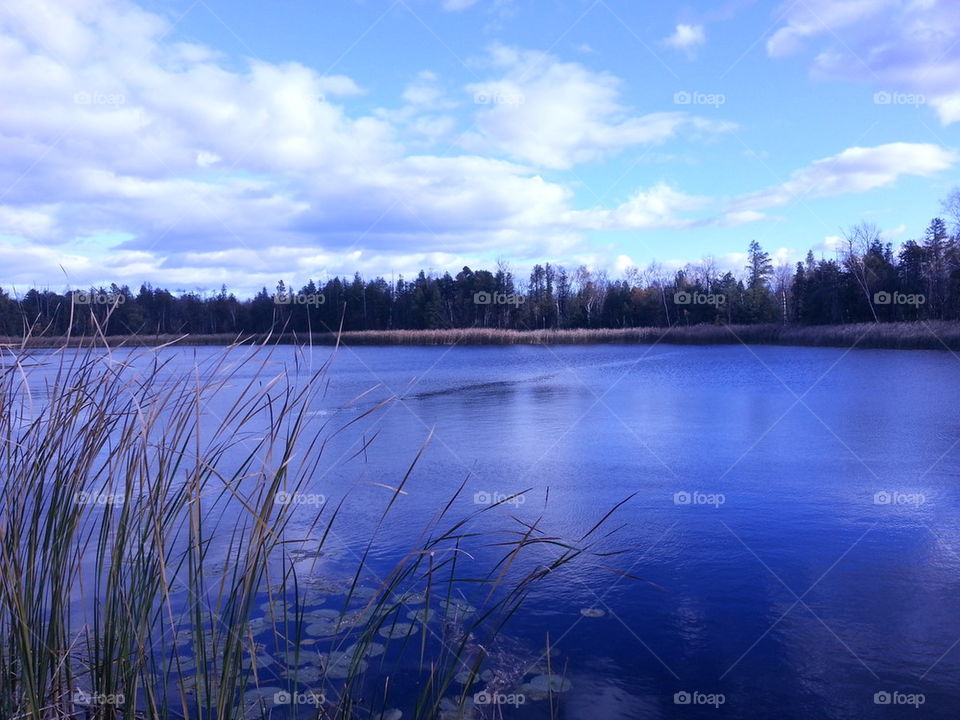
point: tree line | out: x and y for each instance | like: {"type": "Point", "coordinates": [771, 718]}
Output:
{"type": "Point", "coordinates": [867, 281]}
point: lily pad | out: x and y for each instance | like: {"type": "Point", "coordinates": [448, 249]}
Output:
{"type": "Point", "coordinates": [465, 676]}
{"type": "Point", "coordinates": [199, 689]}
{"type": "Point", "coordinates": [546, 684]}
{"type": "Point", "coordinates": [308, 674]}
{"type": "Point", "coordinates": [326, 586]}
{"type": "Point", "coordinates": [458, 606]}
{"type": "Point", "coordinates": [423, 615]}
{"type": "Point", "coordinates": [257, 625]}
{"type": "Point", "coordinates": [278, 608]}
{"type": "Point", "coordinates": [292, 657]}
{"type": "Point", "coordinates": [369, 650]}
{"type": "Point", "coordinates": [257, 703]}
{"type": "Point", "coordinates": [398, 630]}
{"type": "Point", "coordinates": [312, 598]}
{"type": "Point", "coordinates": [411, 598]}
{"type": "Point", "coordinates": [324, 628]}
{"type": "Point", "coordinates": [260, 660]}
{"type": "Point", "coordinates": [358, 618]}
{"type": "Point", "coordinates": [338, 665]}
{"type": "Point", "coordinates": [266, 692]}
{"type": "Point", "coordinates": [363, 592]}
{"type": "Point", "coordinates": [450, 710]}
{"type": "Point", "coordinates": [321, 614]}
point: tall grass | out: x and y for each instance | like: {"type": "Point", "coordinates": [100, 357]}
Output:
{"type": "Point", "coordinates": [919, 335]}
{"type": "Point", "coordinates": [138, 539]}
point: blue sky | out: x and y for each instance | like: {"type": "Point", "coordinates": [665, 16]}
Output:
{"type": "Point", "coordinates": [196, 143]}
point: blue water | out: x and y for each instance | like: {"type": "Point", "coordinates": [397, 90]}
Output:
{"type": "Point", "coordinates": [791, 542]}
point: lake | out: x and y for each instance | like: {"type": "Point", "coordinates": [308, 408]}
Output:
{"type": "Point", "coordinates": [790, 546]}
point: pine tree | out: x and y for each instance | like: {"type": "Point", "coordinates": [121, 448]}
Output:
{"type": "Point", "coordinates": [760, 306]}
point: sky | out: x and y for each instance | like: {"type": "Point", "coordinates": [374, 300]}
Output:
{"type": "Point", "coordinates": [200, 143]}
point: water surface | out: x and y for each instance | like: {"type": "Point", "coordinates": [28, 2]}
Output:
{"type": "Point", "coordinates": [793, 514]}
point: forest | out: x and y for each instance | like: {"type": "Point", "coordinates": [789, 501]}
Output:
{"type": "Point", "coordinates": [868, 280]}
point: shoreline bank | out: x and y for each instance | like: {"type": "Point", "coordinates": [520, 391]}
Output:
{"type": "Point", "coordinates": [933, 335]}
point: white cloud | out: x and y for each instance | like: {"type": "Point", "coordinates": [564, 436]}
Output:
{"type": "Point", "coordinates": [119, 134]}
{"type": "Point", "coordinates": [687, 38]}
{"type": "Point", "coordinates": [894, 233]}
{"type": "Point", "coordinates": [907, 46]}
{"type": "Point", "coordinates": [206, 159]}
{"type": "Point", "coordinates": [661, 206]}
{"type": "Point", "coordinates": [557, 114]}
{"type": "Point", "coordinates": [130, 156]}
{"type": "Point", "coordinates": [457, 5]}
{"type": "Point", "coordinates": [814, 18]}
{"type": "Point", "coordinates": [855, 170]}
{"type": "Point", "coordinates": [37, 222]}
{"type": "Point", "coordinates": [739, 217]}
{"type": "Point", "coordinates": [426, 112]}
{"type": "Point", "coordinates": [829, 245]}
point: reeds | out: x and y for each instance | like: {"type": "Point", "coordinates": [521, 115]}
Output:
{"type": "Point", "coordinates": [919, 335]}
{"type": "Point", "coordinates": [138, 536]}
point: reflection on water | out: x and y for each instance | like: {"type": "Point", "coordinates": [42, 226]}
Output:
{"type": "Point", "coordinates": [827, 574]}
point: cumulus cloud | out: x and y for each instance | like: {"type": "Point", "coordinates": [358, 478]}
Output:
{"type": "Point", "coordinates": [660, 206]}
{"type": "Point", "coordinates": [855, 170]}
{"type": "Point", "coordinates": [130, 156]}
{"type": "Point", "coordinates": [37, 223]}
{"type": "Point", "coordinates": [194, 169]}
{"type": "Point", "coordinates": [560, 114]}
{"type": "Point", "coordinates": [159, 146]}
{"type": "Point", "coordinates": [908, 46]}
{"type": "Point", "coordinates": [687, 38]}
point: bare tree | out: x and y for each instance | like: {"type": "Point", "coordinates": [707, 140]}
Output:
{"type": "Point", "coordinates": [655, 273]}
{"type": "Point", "coordinates": [588, 291]}
{"type": "Point", "coordinates": [783, 279]}
{"type": "Point", "coordinates": [951, 208]}
{"type": "Point", "coordinates": [707, 271]}
{"type": "Point", "coordinates": [857, 241]}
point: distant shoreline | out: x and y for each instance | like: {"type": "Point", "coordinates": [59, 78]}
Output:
{"type": "Point", "coordinates": [931, 335]}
